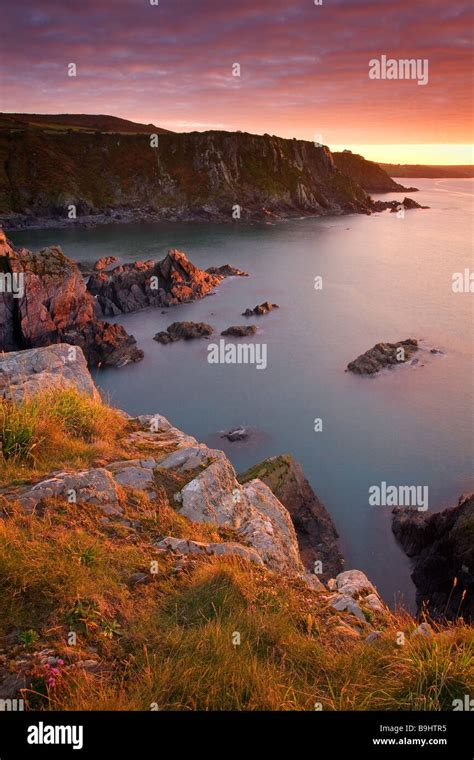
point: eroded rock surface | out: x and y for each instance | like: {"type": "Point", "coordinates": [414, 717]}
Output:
{"type": "Point", "coordinates": [383, 355]}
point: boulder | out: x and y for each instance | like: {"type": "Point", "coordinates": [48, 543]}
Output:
{"type": "Point", "coordinates": [104, 262]}
{"type": "Point", "coordinates": [383, 355]}
{"type": "Point", "coordinates": [25, 373]}
{"type": "Point", "coordinates": [95, 486]}
{"type": "Point", "coordinates": [315, 530]}
{"type": "Point", "coordinates": [184, 331]}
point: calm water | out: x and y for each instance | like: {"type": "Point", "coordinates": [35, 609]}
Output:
{"type": "Point", "coordinates": [384, 279]}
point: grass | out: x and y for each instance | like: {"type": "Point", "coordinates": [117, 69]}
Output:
{"type": "Point", "coordinates": [54, 430]}
{"type": "Point", "coordinates": [203, 633]}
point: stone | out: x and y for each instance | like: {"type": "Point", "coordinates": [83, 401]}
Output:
{"type": "Point", "coordinates": [25, 373]}
{"type": "Point", "coordinates": [95, 486]}
{"type": "Point", "coordinates": [240, 331]}
{"type": "Point", "coordinates": [225, 549]}
{"type": "Point", "coordinates": [236, 434]}
{"type": "Point", "coordinates": [261, 309]}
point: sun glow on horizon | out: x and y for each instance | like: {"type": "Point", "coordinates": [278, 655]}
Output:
{"type": "Point", "coordinates": [442, 154]}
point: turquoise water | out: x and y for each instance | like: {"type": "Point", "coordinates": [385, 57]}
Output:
{"type": "Point", "coordinates": [384, 278]}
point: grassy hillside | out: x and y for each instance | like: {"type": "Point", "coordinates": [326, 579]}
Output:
{"type": "Point", "coordinates": [155, 632]}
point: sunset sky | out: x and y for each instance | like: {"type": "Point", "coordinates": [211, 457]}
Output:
{"type": "Point", "coordinates": [304, 68]}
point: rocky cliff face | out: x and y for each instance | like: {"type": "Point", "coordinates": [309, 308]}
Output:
{"type": "Point", "coordinates": [369, 175]}
{"type": "Point", "coordinates": [442, 546]}
{"type": "Point", "coordinates": [196, 175]}
{"type": "Point", "coordinates": [52, 305]}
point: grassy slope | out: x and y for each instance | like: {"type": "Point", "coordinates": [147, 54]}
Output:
{"type": "Point", "coordinates": [170, 642]}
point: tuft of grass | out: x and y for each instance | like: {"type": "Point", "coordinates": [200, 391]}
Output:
{"type": "Point", "coordinates": [52, 430]}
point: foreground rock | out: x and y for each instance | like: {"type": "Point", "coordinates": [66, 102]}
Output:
{"type": "Point", "coordinates": [315, 530]}
{"type": "Point", "coordinates": [383, 355]}
{"type": "Point", "coordinates": [355, 594]}
{"type": "Point", "coordinates": [442, 546]}
{"type": "Point", "coordinates": [184, 331]}
{"type": "Point", "coordinates": [25, 373]}
{"type": "Point", "coordinates": [132, 287]}
{"type": "Point", "coordinates": [240, 331]}
{"type": "Point", "coordinates": [226, 549]}
{"type": "Point", "coordinates": [260, 310]}
{"type": "Point", "coordinates": [54, 306]}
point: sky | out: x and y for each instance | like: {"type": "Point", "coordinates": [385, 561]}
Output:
{"type": "Point", "coordinates": [304, 68]}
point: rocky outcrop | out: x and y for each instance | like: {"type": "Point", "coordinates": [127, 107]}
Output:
{"type": "Point", "coordinates": [25, 373]}
{"type": "Point", "coordinates": [383, 355]}
{"type": "Point", "coordinates": [184, 331]}
{"type": "Point", "coordinates": [355, 594]}
{"type": "Point", "coordinates": [394, 206]}
{"type": "Point", "coordinates": [369, 175]}
{"type": "Point", "coordinates": [225, 549]}
{"type": "Point", "coordinates": [315, 530]}
{"type": "Point", "coordinates": [53, 306]}
{"type": "Point", "coordinates": [132, 287]}
{"type": "Point", "coordinates": [240, 331]}
{"type": "Point", "coordinates": [442, 547]}
{"type": "Point", "coordinates": [260, 310]}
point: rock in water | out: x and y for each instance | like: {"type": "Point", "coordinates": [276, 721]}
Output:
{"type": "Point", "coordinates": [315, 530]}
{"type": "Point", "coordinates": [236, 434]}
{"type": "Point", "coordinates": [132, 287]}
{"type": "Point", "coordinates": [226, 270]}
{"type": "Point", "coordinates": [383, 355]}
{"type": "Point", "coordinates": [240, 331]}
{"type": "Point", "coordinates": [261, 309]}
{"type": "Point", "coordinates": [184, 331]}
{"type": "Point", "coordinates": [55, 307]}
{"type": "Point", "coordinates": [442, 545]}
{"type": "Point", "coordinates": [104, 262]}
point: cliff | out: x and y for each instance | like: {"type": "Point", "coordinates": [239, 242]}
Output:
{"type": "Point", "coordinates": [138, 573]}
{"type": "Point", "coordinates": [370, 176]}
{"type": "Point", "coordinates": [195, 175]}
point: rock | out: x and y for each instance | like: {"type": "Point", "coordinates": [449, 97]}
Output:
{"type": "Point", "coordinates": [354, 583]}
{"type": "Point", "coordinates": [55, 307]}
{"type": "Point", "coordinates": [184, 331]}
{"type": "Point", "coordinates": [104, 262]}
{"type": "Point", "coordinates": [139, 579]}
{"type": "Point", "coordinates": [423, 630]}
{"type": "Point", "coordinates": [261, 309]}
{"type": "Point", "coordinates": [95, 486]}
{"type": "Point", "coordinates": [240, 331]}
{"type": "Point", "coordinates": [368, 174]}
{"type": "Point", "coordinates": [442, 546]}
{"type": "Point", "coordinates": [137, 474]}
{"type": "Point", "coordinates": [236, 434]}
{"type": "Point", "coordinates": [343, 603]}
{"type": "Point", "coordinates": [383, 355]}
{"type": "Point", "coordinates": [132, 287]}
{"type": "Point", "coordinates": [25, 373]}
{"type": "Point", "coordinates": [315, 530]}
{"type": "Point", "coordinates": [373, 636]}
{"type": "Point", "coordinates": [227, 549]}
{"type": "Point", "coordinates": [191, 458]}
{"type": "Point", "coordinates": [226, 270]}
{"type": "Point", "coordinates": [394, 206]}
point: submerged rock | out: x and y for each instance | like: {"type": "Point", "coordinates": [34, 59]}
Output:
{"type": "Point", "coordinates": [383, 355]}
{"type": "Point", "coordinates": [315, 530]}
{"type": "Point", "coordinates": [442, 546]}
{"type": "Point", "coordinates": [236, 434]}
{"type": "Point", "coordinates": [184, 331]}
